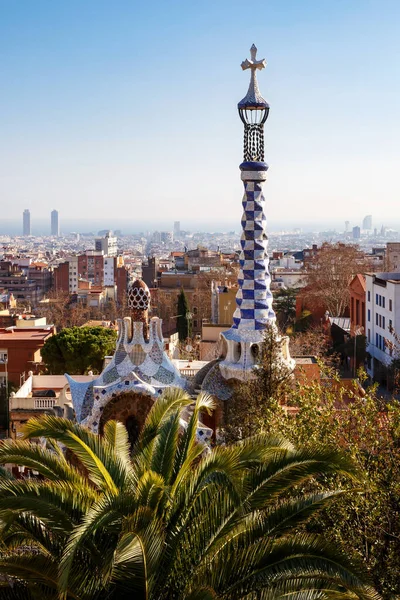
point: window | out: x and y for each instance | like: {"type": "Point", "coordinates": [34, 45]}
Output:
{"type": "Point", "coordinates": [369, 335]}
{"type": "Point", "coordinates": [390, 325]}
{"type": "Point", "coordinates": [383, 301]}
{"type": "Point", "coordinates": [376, 319]}
{"type": "Point", "coordinates": [369, 315]}
{"type": "Point", "coordinates": [380, 320]}
{"type": "Point", "coordinates": [3, 356]}
{"type": "Point", "coordinates": [383, 322]}
{"type": "Point", "coordinates": [376, 298]}
{"type": "Point", "coordinates": [369, 296]}
{"type": "Point", "coordinates": [390, 304]}
{"type": "Point", "coordinates": [377, 340]}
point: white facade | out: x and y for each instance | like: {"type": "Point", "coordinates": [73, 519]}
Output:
{"type": "Point", "coordinates": [73, 274]}
{"type": "Point", "coordinates": [109, 271]}
{"type": "Point", "coordinates": [107, 244]}
{"type": "Point", "coordinates": [290, 278]}
{"type": "Point", "coordinates": [382, 316]}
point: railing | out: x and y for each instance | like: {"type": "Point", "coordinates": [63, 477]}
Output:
{"type": "Point", "coordinates": [44, 402]}
{"type": "Point", "coordinates": [188, 372]}
{"type": "Point", "coordinates": [31, 403]}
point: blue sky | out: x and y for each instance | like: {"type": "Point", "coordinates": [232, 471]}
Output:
{"type": "Point", "coordinates": [127, 110]}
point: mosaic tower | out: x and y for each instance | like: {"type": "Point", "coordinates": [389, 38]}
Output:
{"type": "Point", "coordinates": [254, 312]}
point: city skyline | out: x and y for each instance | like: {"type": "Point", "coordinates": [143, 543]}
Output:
{"type": "Point", "coordinates": [79, 129]}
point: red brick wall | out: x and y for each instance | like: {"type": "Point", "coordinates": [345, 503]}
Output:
{"type": "Point", "coordinates": [61, 277]}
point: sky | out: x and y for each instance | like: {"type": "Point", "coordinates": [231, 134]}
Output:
{"type": "Point", "coordinates": [126, 112]}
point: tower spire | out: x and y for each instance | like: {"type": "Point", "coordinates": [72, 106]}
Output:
{"type": "Point", "coordinates": [254, 312]}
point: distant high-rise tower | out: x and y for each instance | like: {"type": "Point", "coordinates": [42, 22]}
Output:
{"type": "Point", "coordinates": [356, 233]}
{"type": "Point", "coordinates": [177, 228]}
{"type": "Point", "coordinates": [346, 224]}
{"type": "Point", "coordinates": [26, 222]}
{"type": "Point", "coordinates": [367, 222]}
{"type": "Point", "coordinates": [55, 228]}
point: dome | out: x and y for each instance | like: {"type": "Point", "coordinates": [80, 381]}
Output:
{"type": "Point", "coordinates": [138, 295]}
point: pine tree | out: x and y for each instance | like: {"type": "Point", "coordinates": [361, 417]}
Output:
{"type": "Point", "coordinates": [183, 321]}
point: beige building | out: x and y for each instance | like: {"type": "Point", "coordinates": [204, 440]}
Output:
{"type": "Point", "coordinates": [41, 394]}
{"type": "Point", "coordinates": [393, 257]}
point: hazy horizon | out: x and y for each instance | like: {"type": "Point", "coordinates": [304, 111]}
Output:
{"type": "Point", "coordinates": [39, 227]}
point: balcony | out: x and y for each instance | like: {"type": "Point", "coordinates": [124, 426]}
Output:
{"type": "Point", "coordinates": [31, 403]}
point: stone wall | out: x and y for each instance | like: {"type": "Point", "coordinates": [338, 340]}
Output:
{"type": "Point", "coordinates": [125, 406]}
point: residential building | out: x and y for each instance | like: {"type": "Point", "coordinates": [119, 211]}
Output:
{"type": "Point", "coordinates": [15, 281]}
{"type": "Point", "coordinates": [55, 227]}
{"type": "Point", "coordinates": [20, 347]}
{"type": "Point", "coordinates": [382, 320]}
{"type": "Point", "coordinates": [309, 254]}
{"type": "Point", "coordinates": [41, 274]}
{"type": "Point", "coordinates": [223, 302]}
{"type": "Point", "coordinates": [357, 305]}
{"type": "Point", "coordinates": [202, 258]}
{"type": "Point", "coordinates": [91, 266]}
{"type": "Point", "coordinates": [150, 272]}
{"type": "Point", "coordinates": [110, 263]}
{"type": "Point", "coordinates": [393, 257]}
{"type": "Point", "coordinates": [62, 277]}
{"type": "Point", "coordinates": [41, 394]}
{"type": "Point", "coordinates": [197, 288]}
{"type": "Point", "coordinates": [73, 274]}
{"type": "Point", "coordinates": [107, 244]}
{"type": "Point", "coordinates": [26, 222]}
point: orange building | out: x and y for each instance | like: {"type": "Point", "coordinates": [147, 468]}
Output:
{"type": "Point", "coordinates": [20, 351]}
{"type": "Point", "coordinates": [357, 305]}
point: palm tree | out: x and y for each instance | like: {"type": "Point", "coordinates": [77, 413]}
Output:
{"type": "Point", "coordinates": [171, 521]}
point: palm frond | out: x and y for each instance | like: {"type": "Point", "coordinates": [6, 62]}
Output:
{"type": "Point", "coordinates": [33, 456]}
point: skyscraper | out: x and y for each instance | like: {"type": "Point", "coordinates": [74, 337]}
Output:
{"type": "Point", "coordinates": [55, 228]}
{"type": "Point", "coordinates": [26, 222]}
{"type": "Point", "coordinates": [356, 233]}
{"type": "Point", "coordinates": [177, 228]}
{"type": "Point", "coordinates": [367, 222]}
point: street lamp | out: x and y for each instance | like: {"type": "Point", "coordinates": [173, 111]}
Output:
{"type": "Point", "coordinates": [253, 111]}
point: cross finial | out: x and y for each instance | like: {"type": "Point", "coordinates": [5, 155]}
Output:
{"type": "Point", "coordinates": [253, 64]}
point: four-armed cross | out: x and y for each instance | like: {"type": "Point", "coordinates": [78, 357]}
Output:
{"type": "Point", "coordinates": [253, 64]}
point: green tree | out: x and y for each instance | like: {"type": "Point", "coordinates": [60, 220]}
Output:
{"type": "Point", "coordinates": [364, 426]}
{"type": "Point", "coordinates": [77, 350]}
{"type": "Point", "coordinates": [245, 413]}
{"type": "Point", "coordinates": [171, 521]}
{"type": "Point", "coordinates": [285, 307]}
{"type": "Point", "coordinates": [183, 320]}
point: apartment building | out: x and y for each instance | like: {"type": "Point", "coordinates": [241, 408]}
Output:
{"type": "Point", "coordinates": [382, 319]}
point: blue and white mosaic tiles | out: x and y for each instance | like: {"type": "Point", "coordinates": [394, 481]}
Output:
{"type": "Point", "coordinates": [254, 298]}
{"type": "Point", "coordinates": [137, 365]}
